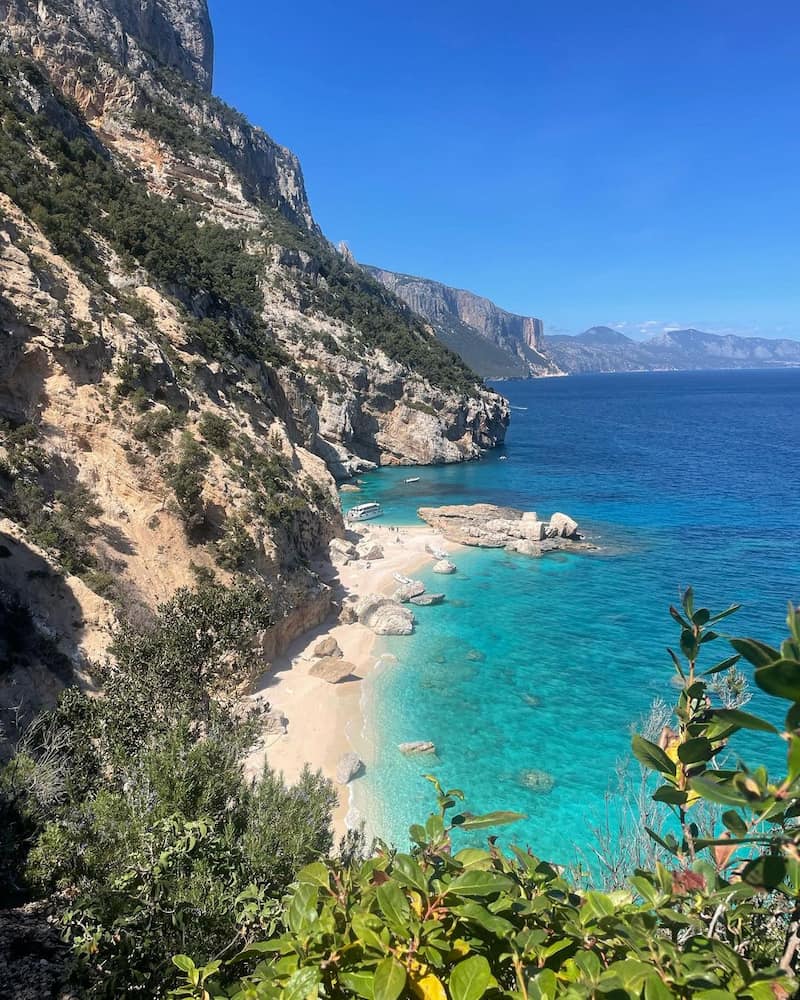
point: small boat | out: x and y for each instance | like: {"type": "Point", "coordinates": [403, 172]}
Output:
{"type": "Point", "coordinates": [503, 458]}
{"type": "Point", "coordinates": [405, 580]}
{"type": "Point", "coordinates": [412, 479]}
{"type": "Point", "coordinates": [364, 512]}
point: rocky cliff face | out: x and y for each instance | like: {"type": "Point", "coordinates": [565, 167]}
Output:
{"type": "Point", "coordinates": [496, 343]}
{"type": "Point", "coordinates": [186, 365]}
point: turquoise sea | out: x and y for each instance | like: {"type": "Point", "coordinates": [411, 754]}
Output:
{"type": "Point", "coordinates": [680, 478]}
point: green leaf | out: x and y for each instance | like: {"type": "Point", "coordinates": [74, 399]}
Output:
{"type": "Point", "coordinates": [722, 665]}
{"type": "Point", "coordinates": [755, 652]}
{"type": "Point", "coordinates": [781, 679]}
{"type": "Point", "coordinates": [184, 963]}
{"type": "Point", "coordinates": [743, 720]}
{"type": "Point", "coordinates": [407, 872]}
{"type": "Point", "coordinates": [500, 818]}
{"type": "Point", "coordinates": [303, 984]}
{"type": "Point", "coordinates": [723, 614]}
{"type": "Point", "coordinates": [713, 791]}
{"type": "Point", "coordinates": [766, 872]}
{"type": "Point", "coordinates": [478, 914]}
{"type": "Point", "coordinates": [695, 751]}
{"type": "Point", "coordinates": [734, 822]}
{"type": "Point", "coordinates": [367, 927]}
{"type": "Point", "coordinates": [393, 904]}
{"type": "Point", "coordinates": [652, 756]}
{"type": "Point", "coordinates": [655, 989]}
{"type": "Point", "coordinates": [302, 909]}
{"type": "Point", "coordinates": [470, 979]}
{"type": "Point", "coordinates": [315, 874]}
{"type": "Point", "coordinates": [360, 983]}
{"type": "Point", "coordinates": [479, 883]}
{"type": "Point", "coordinates": [390, 980]}
{"type": "Point", "coordinates": [689, 644]}
{"type": "Point", "coordinates": [670, 795]}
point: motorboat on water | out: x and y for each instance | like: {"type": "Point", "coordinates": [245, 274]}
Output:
{"type": "Point", "coordinates": [364, 512]}
{"type": "Point", "coordinates": [411, 479]}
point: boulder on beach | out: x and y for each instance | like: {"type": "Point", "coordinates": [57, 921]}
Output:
{"type": "Point", "coordinates": [524, 547]}
{"type": "Point", "coordinates": [426, 600]}
{"type": "Point", "coordinates": [406, 591]}
{"type": "Point", "coordinates": [564, 525]}
{"type": "Point", "coordinates": [417, 746]}
{"type": "Point", "coordinates": [369, 551]}
{"type": "Point", "coordinates": [332, 669]}
{"type": "Point", "coordinates": [444, 566]}
{"type": "Point", "coordinates": [327, 647]}
{"type": "Point", "coordinates": [349, 767]}
{"type": "Point", "coordinates": [342, 550]}
{"type": "Point", "coordinates": [384, 615]}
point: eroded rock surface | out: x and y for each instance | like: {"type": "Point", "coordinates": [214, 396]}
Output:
{"type": "Point", "coordinates": [490, 526]}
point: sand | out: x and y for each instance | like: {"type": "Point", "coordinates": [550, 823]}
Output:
{"type": "Point", "coordinates": [325, 720]}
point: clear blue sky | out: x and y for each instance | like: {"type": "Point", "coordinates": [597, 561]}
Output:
{"type": "Point", "coordinates": [587, 162]}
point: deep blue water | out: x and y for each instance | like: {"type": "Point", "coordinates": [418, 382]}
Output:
{"type": "Point", "coordinates": [680, 478]}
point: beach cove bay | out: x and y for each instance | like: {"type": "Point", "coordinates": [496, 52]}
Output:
{"type": "Point", "coordinates": [532, 674]}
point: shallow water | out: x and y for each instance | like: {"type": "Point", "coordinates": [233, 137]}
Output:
{"type": "Point", "coordinates": [543, 664]}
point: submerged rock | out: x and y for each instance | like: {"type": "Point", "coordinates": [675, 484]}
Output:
{"type": "Point", "coordinates": [532, 700]}
{"type": "Point", "coordinates": [349, 488]}
{"type": "Point", "coordinates": [537, 781]}
{"type": "Point", "coordinates": [384, 615]}
{"type": "Point", "coordinates": [349, 767]}
{"type": "Point", "coordinates": [332, 669]}
{"type": "Point", "coordinates": [417, 746]}
{"type": "Point", "coordinates": [425, 600]}
{"type": "Point", "coordinates": [476, 655]}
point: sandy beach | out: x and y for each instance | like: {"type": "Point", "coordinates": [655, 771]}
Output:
{"type": "Point", "coordinates": [325, 720]}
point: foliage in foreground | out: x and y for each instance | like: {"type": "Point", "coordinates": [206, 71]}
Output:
{"type": "Point", "coordinates": [720, 921]}
{"type": "Point", "coordinates": [134, 814]}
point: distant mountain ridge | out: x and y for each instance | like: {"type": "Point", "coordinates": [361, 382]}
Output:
{"type": "Point", "coordinates": [494, 342]}
{"type": "Point", "coordinates": [602, 349]}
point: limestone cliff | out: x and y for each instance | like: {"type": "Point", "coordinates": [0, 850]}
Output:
{"type": "Point", "coordinates": [496, 343]}
{"type": "Point", "coordinates": [186, 364]}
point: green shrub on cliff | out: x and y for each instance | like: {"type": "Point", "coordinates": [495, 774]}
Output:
{"type": "Point", "coordinates": [720, 920]}
{"type": "Point", "coordinates": [134, 813]}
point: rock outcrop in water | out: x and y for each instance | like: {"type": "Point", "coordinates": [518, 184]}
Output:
{"type": "Point", "coordinates": [488, 526]}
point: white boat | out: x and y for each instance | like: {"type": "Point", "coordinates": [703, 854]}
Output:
{"type": "Point", "coordinates": [405, 580]}
{"type": "Point", "coordinates": [364, 512]}
{"type": "Point", "coordinates": [413, 479]}
{"type": "Point", "coordinates": [503, 458]}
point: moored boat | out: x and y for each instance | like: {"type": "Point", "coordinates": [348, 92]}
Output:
{"type": "Point", "coordinates": [364, 512]}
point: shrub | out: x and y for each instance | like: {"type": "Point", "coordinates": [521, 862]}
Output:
{"type": "Point", "coordinates": [154, 428]}
{"type": "Point", "coordinates": [216, 431]}
{"type": "Point", "coordinates": [236, 547]}
{"type": "Point", "coordinates": [186, 476]}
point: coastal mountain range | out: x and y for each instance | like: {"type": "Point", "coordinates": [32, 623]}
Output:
{"type": "Point", "coordinates": [602, 349]}
{"type": "Point", "coordinates": [187, 365]}
{"type": "Point", "coordinates": [498, 344]}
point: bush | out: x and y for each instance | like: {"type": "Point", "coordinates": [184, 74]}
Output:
{"type": "Point", "coordinates": [216, 431]}
{"type": "Point", "coordinates": [154, 428]}
{"type": "Point", "coordinates": [186, 477]}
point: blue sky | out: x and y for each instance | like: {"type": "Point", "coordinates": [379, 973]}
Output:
{"type": "Point", "coordinates": [623, 163]}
